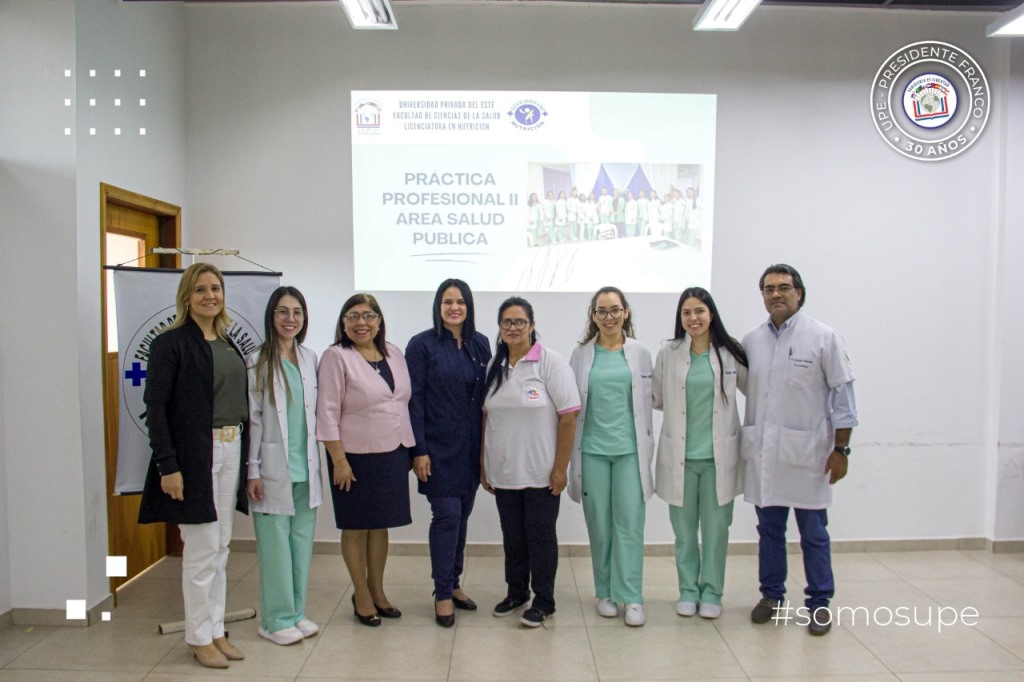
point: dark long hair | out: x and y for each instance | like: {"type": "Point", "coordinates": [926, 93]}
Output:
{"type": "Point", "coordinates": [469, 326]}
{"type": "Point", "coordinates": [339, 332]}
{"type": "Point", "coordinates": [591, 329]}
{"type": "Point", "coordinates": [719, 337]}
{"type": "Point", "coordinates": [499, 366]}
{"type": "Point", "coordinates": [269, 360]}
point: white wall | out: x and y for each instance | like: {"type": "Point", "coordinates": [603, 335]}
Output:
{"type": "Point", "coordinates": [128, 36]}
{"type": "Point", "coordinates": [41, 426]}
{"type": "Point", "coordinates": [896, 254]}
{"type": "Point", "coordinates": [54, 528]}
{"type": "Point", "coordinates": [1007, 471]}
{"type": "Point", "coordinates": [5, 554]}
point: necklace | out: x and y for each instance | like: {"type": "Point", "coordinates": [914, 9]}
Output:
{"type": "Point", "coordinates": [373, 352]}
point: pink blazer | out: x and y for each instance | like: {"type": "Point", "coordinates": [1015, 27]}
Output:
{"type": "Point", "coordinates": [355, 406]}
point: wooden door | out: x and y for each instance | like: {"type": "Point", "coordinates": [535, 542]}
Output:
{"type": "Point", "coordinates": [131, 227]}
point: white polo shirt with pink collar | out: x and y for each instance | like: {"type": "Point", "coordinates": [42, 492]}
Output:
{"type": "Point", "coordinates": [522, 420]}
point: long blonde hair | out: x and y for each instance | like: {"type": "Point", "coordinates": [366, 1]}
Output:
{"type": "Point", "coordinates": [186, 285]}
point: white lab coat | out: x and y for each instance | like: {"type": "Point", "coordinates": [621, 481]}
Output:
{"type": "Point", "coordinates": [639, 360]}
{"type": "Point", "coordinates": [787, 432]}
{"type": "Point", "coordinates": [268, 439]}
{"type": "Point", "coordinates": [670, 396]}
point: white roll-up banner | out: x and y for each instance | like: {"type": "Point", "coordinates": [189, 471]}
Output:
{"type": "Point", "coordinates": [145, 306]}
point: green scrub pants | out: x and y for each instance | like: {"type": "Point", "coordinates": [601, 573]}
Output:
{"type": "Point", "coordinates": [613, 505]}
{"type": "Point", "coordinates": [701, 568]}
{"type": "Point", "coordinates": [284, 549]}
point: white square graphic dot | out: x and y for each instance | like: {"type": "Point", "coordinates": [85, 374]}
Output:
{"type": "Point", "coordinates": [67, 131]}
{"type": "Point", "coordinates": [76, 609]}
{"type": "Point", "coordinates": [92, 131]}
{"type": "Point", "coordinates": [117, 566]}
{"type": "Point", "coordinates": [117, 73]}
{"type": "Point", "coordinates": [117, 131]}
{"type": "Point", "coordinates": [142, 102]}
{"type": "Point", "coordinates": [92, 102]}
{"type": "Point", "coordinates": [67, 102]}
{"type": "Point", "coordinates": [117, 101]}
{"type": "Point", "coordinates": [92, 73]}
{"type": "Point", "coordinates": [67, 73]}
{"type": "Point", "coordinates": [105, 615]}
{"type": "Point", "coordinates": [142, 73]}
{"type": "Point", "coordinates": [142, 131]}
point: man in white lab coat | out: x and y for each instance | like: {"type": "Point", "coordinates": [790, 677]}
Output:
{"type": "Point", "coordinates": [800, 414]}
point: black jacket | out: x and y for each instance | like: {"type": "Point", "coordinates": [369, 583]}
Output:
{"type": "Point", "coordinates": [179, 413]}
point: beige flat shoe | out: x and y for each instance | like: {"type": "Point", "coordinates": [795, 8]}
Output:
{"type": "Point", "coordinates": [209, 656]}
{"type": "Point", "coordinates": [230, 651]}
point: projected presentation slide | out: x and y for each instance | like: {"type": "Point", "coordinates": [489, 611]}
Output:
{"type": "Point", "coordinates": [532, 191]}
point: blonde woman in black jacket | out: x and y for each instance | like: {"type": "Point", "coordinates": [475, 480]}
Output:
{"type": "Point", "coordinates": [197, 412]}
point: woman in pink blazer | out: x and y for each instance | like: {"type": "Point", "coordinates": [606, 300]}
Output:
{"type": "Point", "coordinates": [362, 418]}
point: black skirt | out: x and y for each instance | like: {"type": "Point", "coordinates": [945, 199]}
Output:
{"type": "Point", "coordinates": [379, 496]}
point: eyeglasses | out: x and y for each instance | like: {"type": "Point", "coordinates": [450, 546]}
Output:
{"type": "Point", "coordinates": [365, 317]}
{"type": "Point", "coordinates": [782, 289]}
{"type": "Point", "coordinates": [604, 313]}
{"type": "Point", "coordinates": [285, 313]}
{"type": "Point", "coordinates": [518, 324]}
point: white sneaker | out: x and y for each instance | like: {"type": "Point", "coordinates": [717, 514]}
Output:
{"type": "Point", "coordinates": [635, 615]}
{"type": "Point", "coordinates": [283, 637]}
{"type": "Point", "coordinates": [607, 608]}
{"type": "Point", "coordinates": [710, 610]}
{"type": "Point", "coordinates": [307, 627]}
{"type": "Point", "coordinates": [686, 608]}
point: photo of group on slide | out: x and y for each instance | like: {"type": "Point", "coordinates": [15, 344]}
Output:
{"type": "Point", "coordinates": [587, 202]}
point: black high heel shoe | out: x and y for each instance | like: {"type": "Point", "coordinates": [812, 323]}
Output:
{"type": "Point", "coordinates": [373, 620]}
{"type": "Point", "coordinates": [387, 611]}
{"type": "Point", "coordinates": [466, 604]}
{"type": "Point", "coordinates": [444, 621]}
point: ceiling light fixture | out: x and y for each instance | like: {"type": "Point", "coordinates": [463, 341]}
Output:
{"type": "Point", "coordinates": [724, 15]}
{"type": "Point", "coordinates": [371, 14]}
{"type": "Point", "coordinates": [1009, 23]}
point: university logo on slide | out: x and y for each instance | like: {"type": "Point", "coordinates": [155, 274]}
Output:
{"type": "Point", "coordinates": [368, 116]}
{"type": "Point", "coordinates": [527, 114]}
{"type": "Point", "coordinates": [930, 100]}
{"type": "Point", "coordinates": [135, 357]}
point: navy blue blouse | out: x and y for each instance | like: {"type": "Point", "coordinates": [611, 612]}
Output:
{"type": "Point", "coordinates": [445, 408]}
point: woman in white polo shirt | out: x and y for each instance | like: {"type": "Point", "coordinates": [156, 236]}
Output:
{"type": "Point", "coordinates": [530, 408]}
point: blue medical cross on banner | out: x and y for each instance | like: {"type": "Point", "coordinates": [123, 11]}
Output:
{"type": "Point", "coordinates": [136, 374]}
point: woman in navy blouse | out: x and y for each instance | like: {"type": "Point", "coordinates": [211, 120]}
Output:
{"type": "Point", "coordinates": [447, 365]}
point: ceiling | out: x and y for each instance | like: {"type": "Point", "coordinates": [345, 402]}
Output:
{"type": "Point", "coordinates": [949, 5]}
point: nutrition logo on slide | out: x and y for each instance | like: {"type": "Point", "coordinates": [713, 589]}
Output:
{"type": "Point", "coordinates": [527, 114]}
{"type": "Point", "coordinates": [930, 100]}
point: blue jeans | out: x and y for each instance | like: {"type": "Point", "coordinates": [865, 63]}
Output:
{"type": "Point", "coordinates": [816, 547]}
{"type": "Point", "coordinates": [448, 541]}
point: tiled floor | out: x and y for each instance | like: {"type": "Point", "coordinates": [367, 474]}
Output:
{"type": "Point", "coordinates": [577, 644]}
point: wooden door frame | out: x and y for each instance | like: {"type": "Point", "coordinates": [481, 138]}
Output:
{"type": "Point", "coordinates": [169, 234]}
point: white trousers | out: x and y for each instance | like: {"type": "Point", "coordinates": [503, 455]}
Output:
{"type": "Point", "coordinates": [205, 556]}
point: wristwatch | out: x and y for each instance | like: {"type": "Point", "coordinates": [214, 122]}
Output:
{"type": "Point", "coordinates": [842, 450]}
